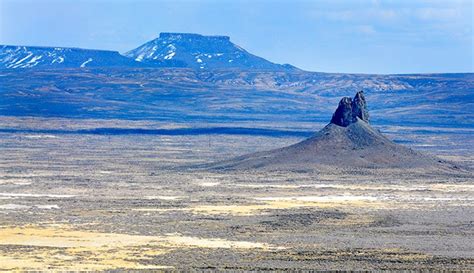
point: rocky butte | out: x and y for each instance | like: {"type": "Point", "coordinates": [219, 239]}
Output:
{"type": "Point", "coordinates": [347, 142]}
{"type": "Point", "coordinates": [349, 110]}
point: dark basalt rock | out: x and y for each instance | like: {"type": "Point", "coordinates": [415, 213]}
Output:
{"type": "Point", "coordinates": [349, 110]}
{"type": "Point", "coordinates": [359, 108]}
{"type": "Point", "coordinates": [343, 114]}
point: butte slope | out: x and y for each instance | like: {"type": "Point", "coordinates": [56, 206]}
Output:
{"type": "Point", "coordinates": [347, 142]}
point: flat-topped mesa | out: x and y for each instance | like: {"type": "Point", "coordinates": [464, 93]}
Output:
{"type": "Point", "coordinates": [349, 110]}
{"type": "Point", "coordinates": [200, 52]}
{"type": "Point", "coordinates": [172, 35]}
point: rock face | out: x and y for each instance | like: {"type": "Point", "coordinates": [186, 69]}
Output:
{"type": "Point", "coordinates": [350, 109]}
{"type": "Point", "coordinates": [343, 115]}
{"type": "Point", "coordinates": [359, 108]}
{"type": "Point", "coordinates": [348, 142]}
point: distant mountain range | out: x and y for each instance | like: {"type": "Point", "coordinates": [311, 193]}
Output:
{"type": "Point", "coordinates": [168, 50]}
{"type": "Point", "coordinates": [189, 77]}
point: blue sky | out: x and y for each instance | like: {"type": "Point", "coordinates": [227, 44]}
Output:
{"type": "Point", "coordinates": [332, 36]}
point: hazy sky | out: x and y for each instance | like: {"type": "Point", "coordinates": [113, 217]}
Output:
{"type": "Point", "coordinates": [331, 36]}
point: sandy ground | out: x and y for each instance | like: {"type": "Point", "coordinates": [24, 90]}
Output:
{"type": "Point", "coordinates": [91, 202]}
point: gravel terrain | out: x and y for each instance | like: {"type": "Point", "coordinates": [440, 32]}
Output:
{"type": "Point", "coordinates": [105, 202]}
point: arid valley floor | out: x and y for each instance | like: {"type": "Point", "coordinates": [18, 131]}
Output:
{"type": "Point", "coordinates": [131, 201]}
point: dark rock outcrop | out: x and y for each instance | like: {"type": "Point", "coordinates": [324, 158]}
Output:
{"type": "Point", "coordinates": [343, 114]}
{"type": "Point", "coordinates": [349, 110]}
{"type": "Point", "coordinates": [347, 142]}
{"type": "Point", "coordinates": [359, 108]}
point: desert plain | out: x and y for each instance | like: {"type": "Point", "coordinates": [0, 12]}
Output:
{"type": "Point", "coordinates": [72, 200]}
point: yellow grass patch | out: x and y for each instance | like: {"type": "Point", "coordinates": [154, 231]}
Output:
{"type": "Point", "coordinates": [275, 203]}
{"type": "Point", "coordinates": [61, 247]}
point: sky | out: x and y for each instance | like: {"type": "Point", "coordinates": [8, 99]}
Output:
{"type": "Point", "coordinates": [364, 36]}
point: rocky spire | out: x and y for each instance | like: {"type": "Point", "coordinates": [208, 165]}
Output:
{"type": "Point", "coordinates": [349, 110]}
{"type": "Point", "coordinates": [359, 108]}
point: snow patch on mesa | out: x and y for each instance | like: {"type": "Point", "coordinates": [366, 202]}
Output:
{"type": "Point", "coordinates": [29, 55]}
{"type": "Point", "coordinates": [140, 58]}
{"type": "Point", "coordinates": [19, 63]}
{"type": "Point", "coordinates": [58, 60]}
{"type": "Point", "coordinates": [152, 51]}
{"type": "Point", "coordinates": [171, 52]}
{"type": "Point", "coordinates": [86, 62]}
{"type": "Point", "coordinates": [170, 56]}
{"type": "Point", "coordinates": [35, 58]}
